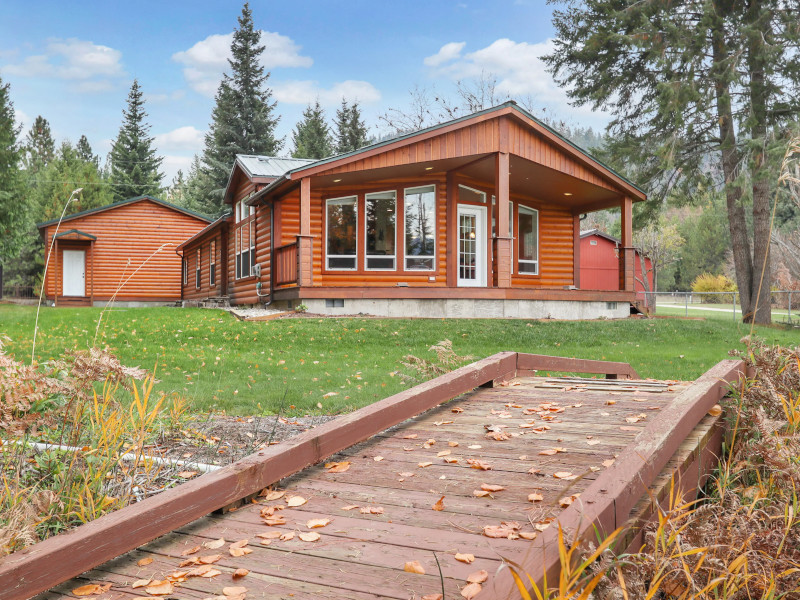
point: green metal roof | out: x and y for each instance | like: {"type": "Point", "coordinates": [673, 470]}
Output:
{"type": "Point", "coordinates": [78, 232]}
{"type": "Point", "coordinates": [113, 205]}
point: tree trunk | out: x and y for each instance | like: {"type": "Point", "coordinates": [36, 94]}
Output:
{"type": "Point", "coordinates": [742, 259]}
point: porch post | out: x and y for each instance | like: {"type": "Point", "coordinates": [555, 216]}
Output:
{"type": "Point", "coordinates": [502, 241]}
{"type": "Point", "coordinates": [451, 231]}
{"type": "Point", "coordinates": [305, 259]}
{"type": "Point", "coordinates": [576, 250]}
{"type": "Point", "coordinates": [626, 256]}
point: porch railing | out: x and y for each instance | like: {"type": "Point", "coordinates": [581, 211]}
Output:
{"type": "Point", "coordinates": [285, 259]}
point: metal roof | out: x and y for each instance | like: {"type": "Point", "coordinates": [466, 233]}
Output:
{"type": "Point", "coordinates": [270, 166]}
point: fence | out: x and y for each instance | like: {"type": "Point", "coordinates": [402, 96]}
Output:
{"type": "Point", "coordinates": [785, 304]}
{"type": "Point", "coordinates": [17, 292]}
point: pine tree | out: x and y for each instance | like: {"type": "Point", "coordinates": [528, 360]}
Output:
{"type": "Point", "coordinates": [695, 87]}
{"type": "Point", "coordinates": [312, 136]}
{"type": "Point", "coordinates": [351, 131]}
{"type": "Point", "coordinates": [242, 118]}
{"type": "Point", "coordinates": [40, 148]}
{"type": "Point", "coordinates": [84, 150]}
{"type": "Point", "coordinates": [134, 162]}
{"type": "Point", "coordinates": [12, 207]}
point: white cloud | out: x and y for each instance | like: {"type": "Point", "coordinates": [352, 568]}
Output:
{"type": "Point", "coordinates": [306, 92]}
{"type": "Point", "coordinates": [170, 166]}
{"type": "Point", "coordinates": [183, 138]}
{"type": "Point", "coordinates": [446, 53]}
{"type": "Point", "coordinates": [204, 63]}
{"type": "Point", "coordinates": [164, 98]}
{"type": "Point", "coordinates": [71, 59]}
{"type": "Point", "coordinates": [21, 119]}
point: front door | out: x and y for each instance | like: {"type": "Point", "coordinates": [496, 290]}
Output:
{"type": "Point", "coordinates": [471, 246]}
{"type": "Point", "coordinates": [74, 272]}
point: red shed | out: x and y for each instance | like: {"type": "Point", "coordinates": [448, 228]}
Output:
{"type": "Point", "coordinates": [599, 262]}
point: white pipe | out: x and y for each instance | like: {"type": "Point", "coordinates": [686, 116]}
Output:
{"type": "Point", "coordinates": [130, 456]}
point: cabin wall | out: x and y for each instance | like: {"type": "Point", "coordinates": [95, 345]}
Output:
{"type": "Point", "coordinates": [205, 290]}
{"type": "Point", "coordinates": [243, 290]}
{"type": "Point", "coordinates": [141, 235]}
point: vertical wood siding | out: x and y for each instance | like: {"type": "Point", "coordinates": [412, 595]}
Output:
{"type": "Point", "coordinates": [127, 236]}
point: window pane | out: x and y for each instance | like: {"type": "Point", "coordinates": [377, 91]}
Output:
{"type": "Point", "coordinates": [420, 227]}
{"type": "Point", "coordinates": [528, 233]}
{"type": "Point", "coordinates": [468, 194]}
{"type": "Point", "coordinates": [342, 234]}
{"type": "Point", "coordinates": [381, 215]}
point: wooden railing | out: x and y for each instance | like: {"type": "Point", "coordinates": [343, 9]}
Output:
{"type": "Point", "coordinates": [285, 261]}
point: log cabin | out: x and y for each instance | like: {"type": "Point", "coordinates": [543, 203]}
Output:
{"type": "Point", "coordinates": [475, 217]}
{"type": "Point", "coordinates": [123, 251]}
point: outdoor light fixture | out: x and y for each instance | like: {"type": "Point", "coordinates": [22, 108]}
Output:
{"type": "Point", "coordinates": [429, 168]}
{"type": "Point", "coordinates": [568, 193]}
{"type": "Point", "coordinates": [336, 180]}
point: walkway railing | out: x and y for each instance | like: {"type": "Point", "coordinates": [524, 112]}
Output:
{"type": "Point", "coordinates": [285, 261]}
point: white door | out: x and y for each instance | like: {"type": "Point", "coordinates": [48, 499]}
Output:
{"type": "Point", "coordinates": [74, 272]}
{"type": "Point", "coordinates": [471, 246]}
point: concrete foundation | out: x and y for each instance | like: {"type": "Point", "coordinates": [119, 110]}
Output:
{"type": "Point", "coordinates": [464, 308]}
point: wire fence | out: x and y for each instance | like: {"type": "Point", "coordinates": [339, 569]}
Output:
{"type": "Point", "coordinates": [785, 304]}
{"type": "Point", "coordinates": [17, 292]}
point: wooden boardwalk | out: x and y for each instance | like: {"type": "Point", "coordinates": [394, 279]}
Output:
{"type": "Point", "coordinates": [481, 478]}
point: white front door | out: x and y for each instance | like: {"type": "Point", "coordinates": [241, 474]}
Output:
{"type": "Point", "coordinates": [471, 246]}
{"type": "Point", "coordinates": [74, 272]}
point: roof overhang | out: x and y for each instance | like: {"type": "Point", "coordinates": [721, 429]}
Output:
{"type": "Point", "coordinates": [76, 235]}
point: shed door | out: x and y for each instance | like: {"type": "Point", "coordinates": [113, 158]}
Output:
{"type": "Point", "coordinates": [74, 272]}
{"type": "Point", "coordinates": [472, 246]}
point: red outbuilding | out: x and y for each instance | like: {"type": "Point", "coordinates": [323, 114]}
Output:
{"type": "Point", "coordinates": [600, 260]}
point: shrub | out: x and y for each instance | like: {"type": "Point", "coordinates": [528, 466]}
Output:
{"type": "Point", "coordinates": [706, 282]}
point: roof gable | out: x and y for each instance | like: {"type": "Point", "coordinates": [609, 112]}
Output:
{"type": "Point", "coordinates": [260, 169]}
{"type": "Point", "coordinates": [127, 202]}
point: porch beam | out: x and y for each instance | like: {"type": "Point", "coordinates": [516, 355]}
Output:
{"type": "Point", "coordinates": [305, 259]}
{"type": "Point", "coordinates": [502, 242]}
{"type": "Point", "coordinates": [626, 256]}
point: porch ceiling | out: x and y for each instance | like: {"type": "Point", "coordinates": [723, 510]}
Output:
{"type": "Point", "coordinates": [527, 177]}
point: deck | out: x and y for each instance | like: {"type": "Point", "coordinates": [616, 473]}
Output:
{"type": "Point", "coordinates": [486, 476]}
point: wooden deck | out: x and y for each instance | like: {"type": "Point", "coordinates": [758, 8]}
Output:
{"type": "Point", "coordinates": [491, 473]}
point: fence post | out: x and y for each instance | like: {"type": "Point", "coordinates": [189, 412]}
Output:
{"type": "Point", "coordinates": [788, 317]}
{"type": "Point", "coordinates": [686, 301]}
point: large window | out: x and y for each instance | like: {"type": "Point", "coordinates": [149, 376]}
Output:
{"type": "Point", "coordinates": [245, 240]}
{"type": "Point", "coordinates": [185, 271]}
{"type": "Point", "coordinates": [197, 270]}
{"type": "Point", "coordinates": [342, 231]}
{"type": "Point", "coordinates": [380, 211]}
{"type": "Point", "coordinates": [212, 263]}
{"type": "Point", "coordinates": [528, 235]}
{"type": "Point", "coordinates": [420, 228]}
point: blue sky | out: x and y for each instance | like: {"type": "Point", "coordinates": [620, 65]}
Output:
{"type": "Point", "coordinates": [73, 62]}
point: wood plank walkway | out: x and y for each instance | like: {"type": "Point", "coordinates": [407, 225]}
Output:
{"type": "Point", "coordinates": [529, 435]}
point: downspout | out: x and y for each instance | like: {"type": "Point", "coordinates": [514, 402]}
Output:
{"type": "Point", "coordinates": [271, 252]}
{"type": "Point", "coordinates": [182, 267]}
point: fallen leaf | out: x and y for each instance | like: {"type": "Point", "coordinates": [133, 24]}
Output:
{"type": "Point", "coordinates": [410, 436]}
{"type": "Point", "coordinates": [91, 589]}
{"type": "Point", "coordinates": [465, 558]}
{"type": "Point", "coordinates": [296, 501]}
{"type": "Point", "coordinates": [481, 493]}
{"type": "Point", "coordinates": [406, 474]}
{"type": "Point", "coordinates": [371, 510]}
{"type": "Point", "coordinates": [450, 460]}
{"type": "Point", "coordinates": [337, 467]}
{"type": "Point", "coordinates": [534, 497]}
{"type": "Point", "coordinates": [499, 436]}
{"type": "Point", "coordinates": [478, 464]}
{"type": "Point", "coordinates": [422, 465]}
{"type": "Point", "coordinates": [239, 573]}
{"type": "Point", "coordinates": [541, 526]}
{"type": "Point", "coordinates": [457, 410]}
{"type": "Point", "coordinates": [715, 410]}
{"type": "Point", "coordinates": [190, 551]}
{"type": "Point", "coordinates": [285, 537]}
{"type": "Point", "coordinates": [632, 419]}
{"type": "Point", "coordinates": [377, 458]}
{"type": "Point", "coordinates": [209, 559]}
{"type": "Point", "coordinates": [350, 507]}
{"type": "Point", "coordinates": [475, 447]}
{"type": "Point", "coordinates": [567, 500]}
{"type": "Point", "coordinates": [187, 474]}
{"type": "Point", "coordinates": [189, 562]}
{"type": "Point", "coordinates": [271, 495]}
{"type": "Point", "coordinates": [159, 588]}
{"type": "Point", "coordinates": [608, 463]}
{"type": "Point", "coordinates": [431, 597]}
{"type": "Point", "coordinates": [592, 442]}
{"type": "Point", "coordinates": [240, 544]}
{"type": "Point", "coordinates": [471, 590]}
{"type": "Point", "coordinates": [238, 552]}
{"type": "Point", "coordinates": [439, 504]}
{"type": "Point", "coordinates": [478, 577]}
{"type": "Point", "coordinates": [452, 444]}
{"type": "Point", "coordinates": [610, 402]}
{"type": "Point", "coordinates": [269, 535]}
{"type": "Point", "coordinates": [140, 583]}
{"type": "Point", "coordinates": [527, 535]}
{"type": "Point", "coordinates": [234, 591]}
{"type": "Point", "coordinates": [313, 523]}
{"type": "Point", "coordinates": [211, 573]}
{"type": "Point", "coordinates": [497, 531]}
{"type": "Point", "coordinates": [145, 561]}
{"type": "Point", "coordinates": [213, 545]}
{"type": "Point", "coordinates": [273, 521]}
{"type": "Point", "coordinates": [414, 567]}
{"type": "Point", "coordinates": [534, 471]}
{"type": "Point", "coordinates": [199, 571]}
{"type": "Point", "coordinates": [552, 451]}
{"type": "Point", "coordinates": [444, 453]}
{"type": "Point", "coordinates": [309, 536]}
{"type": "Point", "coordinates": [492, 488]}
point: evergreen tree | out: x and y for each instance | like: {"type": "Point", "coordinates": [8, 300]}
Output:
{"type": "Point", "coordinates": [695, 87]}
{"type": "Point", "coordinates": [39, 149]}
{"type": "Point", "coordinates": [242, 121]}
{"type": "Point", "coordinates": [312, 136]}
{"type": "Point", "coordinates": [134, 162]}
{"type": "Point", "coordinates": [351, 131]}
{"type": "Point", "coordinates": [13, 213]}
{"type": "Point", "coordinates": [84, 150]}
{"type": "Point", "coordinates": [194, 195]}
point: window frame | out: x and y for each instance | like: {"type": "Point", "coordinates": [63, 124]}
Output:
{"type": "Point", "coordinates": [212, 263]}
{"type": "Point", "coordinates": [474, 190]}
{"type": "Point", "coordinates": [435, 229]}
{"type": "Point", "coordinates": [185, 270]}
{"type": "Point", "coordinates": [522, 209]}
{"type": "Point", "coordinates": [366, 241]}
{"type": "Point", "coordinates": [328, 256]}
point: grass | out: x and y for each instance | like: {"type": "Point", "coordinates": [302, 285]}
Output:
{"type": "Point", "coordinates": [246, 368]}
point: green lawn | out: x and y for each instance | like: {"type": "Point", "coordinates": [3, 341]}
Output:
{"type": "Point", "coordinates": [247, 368]}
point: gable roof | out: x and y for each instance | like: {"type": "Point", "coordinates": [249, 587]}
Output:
{"type": "Point", "coordinates": [114, 205]}
{"type": "Point", "coordinates": [210, 227]}
{"type": "Point", "coordinates": [509, 107]}
{"type": "Point", "coordinates": [76, 233]}
{"type": "Point", "coordinates": [601, 234]}
{"type": "Point", "coordinates": [262, 169]}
